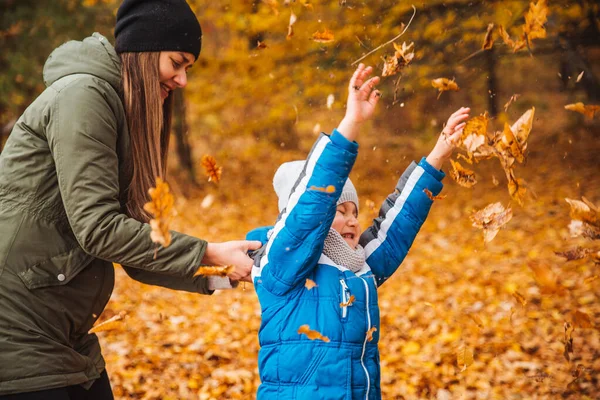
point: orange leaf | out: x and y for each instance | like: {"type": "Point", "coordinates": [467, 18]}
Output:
{"type": "Point", "coordinates": [491, 219]}
{"type": "Point", "coordinates": [310, 284]}
{"type": "Point", "coordinates": [535, 19]}
{"type": "Point", "coordinates": [488, 41]}
{"type": "Point", "coordinates": [582, 320]}
{"type": "Point", "coordinates": [328, 189]}
{"type": "Point", "coordinates": [161, 207]}
{"type": "Point", "coordinates": [211, 169]}
{"type": "Point", "coordinates": [349, 302]}
{"type": "Point", "coordinates": [520, 298]}
{"type": "Point", "coordinates": [323, 37]}
{"type": "Point", "coordinates": [402, 56]}
{"type": "Point", "coordinates": [293, 20]}
{"type": "Point", "coordinates": [215, 270]}
{"type": "Point", "coordinates": [312, 335]}
{"type": "Point", "coordinates": [116, 322]}
{"type": "Point", "coordinates": [370, 333]}
{"type": "Point", "coordinates": [261, 45]}
{"type": "Point", "coordinates": [432, 197]}
{"type": "Point", "coordinates": [463, 176]}
{"type": "Point", "coordinates": [444, 84]}
{"type": "Point", "coordinates": [575, 254]}
{"type": "Point", "coordinates": [464, 357]}
{"type": "Point", "coordinates": [589, 111]}
{"type": "Point", "coordinates": [512, 99]}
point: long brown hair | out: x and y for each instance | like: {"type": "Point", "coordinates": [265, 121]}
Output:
{"type": "Point", "coordinates": [149, 122]}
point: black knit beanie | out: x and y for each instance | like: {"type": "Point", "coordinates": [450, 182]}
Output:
{"type": "Point", "coordinates": [157, 25]}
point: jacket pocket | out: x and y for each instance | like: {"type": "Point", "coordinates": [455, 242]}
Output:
{"type": "Point", "coordinates": [57, 270]}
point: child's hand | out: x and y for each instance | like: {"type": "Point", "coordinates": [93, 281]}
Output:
{"type": "Point", "coordinates": [362, 99]}
{"type": "Point", "coordinates": [449, 138]}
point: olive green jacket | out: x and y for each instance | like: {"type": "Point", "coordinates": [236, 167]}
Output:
{"type": "Point", "coordinates": [63, 173]}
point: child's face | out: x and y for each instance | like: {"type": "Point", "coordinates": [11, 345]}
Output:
{"type": "Point", "coordinates": [346, 223]}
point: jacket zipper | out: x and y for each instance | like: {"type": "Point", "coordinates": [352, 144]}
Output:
{"type": "Point", "coordinates": [345, 298]}
{"type": "Point", "coordinates": [365, 342]}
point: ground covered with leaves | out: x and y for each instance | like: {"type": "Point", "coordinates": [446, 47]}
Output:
{"type": "Point", "coordinates": [461, 319]}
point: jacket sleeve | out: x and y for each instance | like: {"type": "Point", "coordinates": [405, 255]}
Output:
{"type": "Point", "coordinates": [388, 239]}
{"type": "Point", "coordinates": [82, 136]}
{"type": "Point", "coordinates": [296, 242]}
{"type": "Point", "coordinates": [197, 284]}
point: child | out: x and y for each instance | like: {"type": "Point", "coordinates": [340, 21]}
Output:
{"type": "Point", "coordinates": [317, 237]}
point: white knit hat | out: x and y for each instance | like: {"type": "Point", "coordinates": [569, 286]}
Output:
{"type": "Point", "coordinates": [288, 173]}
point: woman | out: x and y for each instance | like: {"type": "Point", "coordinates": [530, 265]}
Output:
{"type": "Point", "coordinates": [74, 176]}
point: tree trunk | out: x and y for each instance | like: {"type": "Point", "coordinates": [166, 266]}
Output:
{"type": "Point", "coordinates": [180, 129]}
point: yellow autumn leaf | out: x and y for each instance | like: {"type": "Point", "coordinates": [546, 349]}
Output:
{"type": "Point", "coordinates": [587, 110]}
{"type": "Point", "coordinates": [214, 270]}
{"type": "Point", "coordinates": [211, 169]}
{"type": "Point", "coordinates": [349, 302]}
{"type": "Point", "coordinates": [491, 219]}
{"type": "Point", "coordinates": [323, 37]}
{"type": "Point", "coordinates": [116, 322]}
{"type": "Point", "coordinates": [464, 357]}
{"type": "Point", "coordinates": [444, 85]}
{"type": "Point", "coordinates": [488, 41]}
{"type": "Point", "coordinates": [461, 175]}
{"type": "Point", "coordinates": [310, 284]}
{"type": "Point", "coordinates": [312, 335]}
{"type": "Point", "coordinates": [160, 207]}
{"type": "Point", "coordinates": [370, 333]}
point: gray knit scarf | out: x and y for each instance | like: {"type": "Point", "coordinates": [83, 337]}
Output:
{"type": "Point", "coordinates": [341, 253]}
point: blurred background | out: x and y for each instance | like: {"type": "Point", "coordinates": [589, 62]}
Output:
{"type": "Point", "coordinates": [264, 87]}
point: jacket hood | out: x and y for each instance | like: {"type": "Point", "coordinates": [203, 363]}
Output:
{"type": "Point", "coordinates": [94, 56]}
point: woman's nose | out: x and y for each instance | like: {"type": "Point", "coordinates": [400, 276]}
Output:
{"type": "Point", "coordinates": [181, 79]}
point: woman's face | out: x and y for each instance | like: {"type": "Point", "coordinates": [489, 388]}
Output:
{"type": "Point", "coordinates": [346, 223]}
{"type": "Point", "coordinates": [172, 69]}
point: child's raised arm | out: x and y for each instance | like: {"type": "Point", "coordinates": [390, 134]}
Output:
{"type": "Point", "coordinates": [297, 239]}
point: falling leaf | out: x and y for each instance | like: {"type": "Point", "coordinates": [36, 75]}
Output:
{"type": "Point", "coordinates": [514, 45]}
{"type": "Point", "coordinates": [488, 41]}
{"type": "Point", "coordinates": [328, 189]}
{"type": "Point", "coordinates": [546, 279]}
{"type": "Point", "coordinates": [517, 190]}
{"type": "Point", "coordinates": [491, 219]}
{"type": "Point", "coordinates": [330, 100]}
{"type": "Point", "coordinates": [522, 127]}
{"type": "Point", "coordinates": [474, 133]}
{"type": "Point", "coordinates": [463, 176]}
{"type": "Point", "coordinates": [310, 284]}
{"type": "Point", "coordinates": [583, 229]}
{"type": "Point", "coordinates": [508, 144]}
{"type": "Point", "coordinates": [535, 19]}
{"type": "Point", "coordinates": [211, 169]}
{"type": "Point", "coordinates": [261, 45]}
{"type": "Point", "coordinates": [432, 197]}
{"type": "Point", "coordinates": [161, 207]}
{"type": "Point", "coordinates": [575, 254]}
{"type": "Point", "coordinates": [589, 111]}
{"type": "Point", "coordinates": [520, 298]}
{"type": "Point", "coordinates": [464, 357]}
{"type": "Point", "coordinates": [568, 341]}
{"type": "Point", "coordinates": [401, 58]}
{"type": "Point", "coordinates": [116, 322]}
{"type": "Point", "coordinates": [349, 302]}
{"type": "Point", "coordinates": [584, 211]}
{"type": "Point", "coordinates": [444, 84]}
{"type": "Point", "coordinates": [512, 99]}
{"type": "Point", "coordinates": [370, 333]}
{"type": "Point", "coordinates": [582, 320]}
{"type": "Point", "coordinates": [207, 201]}
{"type": "Point", "coordinates": [476, 319]}
{"type": "Point", "coordinates": [323, 37]}
{"type": "Point", "coordinates": [312, 335]}
{"type": "Point", "coordinates": [293, 19]}
{"type": "Point", "coordinates": [579, 77]}
{"type": "Point", "coordinates": [214, 270]}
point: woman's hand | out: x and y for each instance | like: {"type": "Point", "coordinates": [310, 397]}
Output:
{"type": "Point", "coordinates": [449, 138]}
{"type": "Point", "coordinates": [232, 253]}
{"type": "Point", "coordinates": [362, 99]}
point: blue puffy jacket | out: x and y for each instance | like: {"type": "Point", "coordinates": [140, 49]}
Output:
{"type": "Point", "coordinates": [346, 366]}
